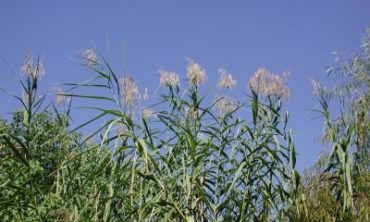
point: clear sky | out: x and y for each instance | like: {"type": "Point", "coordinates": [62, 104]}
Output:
{"type": "Point", "coordinates": [143, 36]}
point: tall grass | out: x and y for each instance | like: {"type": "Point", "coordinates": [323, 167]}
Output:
{"type": "Point", "coordinates": [186, 157]}
{"type": "Point", "coordinates": [338, 185]}
{"type": "Point", "coordinates": [190, 161]}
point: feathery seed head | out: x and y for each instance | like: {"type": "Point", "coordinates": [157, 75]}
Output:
{"type": "Point", "coordinates": [226, 80]}
{"type": "Point", "coordinates": [60, 99]}
{"type": "Point", "coordinates": [195, 73]}
{"type": "Point", "coordinates": [90, 56]}
{"type": "Point", "coordinates": [30, 69]}
{"type": "Point", "coordinates": [130, 91]}
{"type": "Point", "coordinates": [39, 71]}
{"type": "Point", "coordinates": [269, 84]}
{"type": "Point", "coordinates": [170, 79]}
{"type": "Point", "coordinates": [317, 87]}
{"type": "Point", "coordinates": [27, 67]}
{"type": "Point", "coordinates": [148, 113]}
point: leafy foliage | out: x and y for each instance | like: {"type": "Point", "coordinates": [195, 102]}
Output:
{"type": "Point", "coordinates": [184, 158]}
{"type": "Point", "coordinates": [338, 186]}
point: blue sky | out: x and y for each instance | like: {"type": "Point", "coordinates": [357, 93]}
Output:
{"type": "Point", "coordinates": [143, 36]}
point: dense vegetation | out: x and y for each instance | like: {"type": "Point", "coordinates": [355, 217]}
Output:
{"type": "Point", "coordinates": [188, 157]}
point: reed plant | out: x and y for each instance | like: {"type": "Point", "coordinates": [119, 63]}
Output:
{"type": "Point", "coordinates": [182, 155]}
